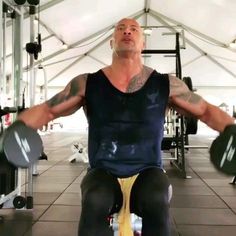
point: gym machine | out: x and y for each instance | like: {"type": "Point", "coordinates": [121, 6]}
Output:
{"type": "Point", "coordinates": [176, 125]}
{"type": "Point", "coordinates": [10, 176]}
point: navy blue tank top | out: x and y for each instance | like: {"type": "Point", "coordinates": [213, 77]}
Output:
{"type": "Point", "coordinates": [125, 129]}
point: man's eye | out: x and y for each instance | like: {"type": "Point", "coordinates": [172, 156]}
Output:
{"type": "Point", "coordinates": [120, 28]}
{"type": "Point", "coordinates": [134, 29]}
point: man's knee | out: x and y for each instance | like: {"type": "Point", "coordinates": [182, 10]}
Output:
{"type": "Point", "coordinates": [100, 191]}
{"type": "Point", "coordinates": [151, 193]}
{"type": "Point", "coordinates": [97, 198]}
{"type": "Point", "coordinates": [156, 200]}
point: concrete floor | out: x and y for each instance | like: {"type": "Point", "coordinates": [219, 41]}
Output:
{"type": "Point", "coordinates": [200, 206]}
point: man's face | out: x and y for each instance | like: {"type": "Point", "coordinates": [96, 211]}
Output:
{"type": "Point", "coordinates": [127, 37]}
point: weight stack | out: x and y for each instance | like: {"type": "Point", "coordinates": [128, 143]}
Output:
{"type": "Point", "coordinates": [7, 175]}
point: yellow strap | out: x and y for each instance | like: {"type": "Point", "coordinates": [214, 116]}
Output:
{"type": "Point", "coordinates": [124, 214]}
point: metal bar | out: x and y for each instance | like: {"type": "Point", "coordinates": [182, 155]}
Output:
{"type": "Point", "coordinates": [4, 80]}
{"type": "Point", "coordinates": [18, 58]}
{"type": "Point", "coordinates": [147, 5]}
{"type": "Point", "coordinates": [50, 4]}
{"type": "Point", "coordinates": [169, 158]}
{"type": "Point", "coordinates": [42, 8]}
{"type": "Point", "coordinates": [96, 59]}
{"type": "Point", "coordinates": [213, 40]}
{"type": "Point", "coordinates": [15, 8]}
{"type": "Point", "coordinates": [45, 84]}
{"type": "Point", "coordinates": [31, 66]}
{"type": "Point", "coordinates": [178, 58]}
{"type": "Point", "coordinates": [1, 50]}
{"type": "Point", "coordinates": [216, 87]}
{"type": "Point", "coordinates": [196, 146]}
{"type": "Point", "coordinates": [79, 59]}
{"type": "Point", "coordinates": [161, 26]}
{"type": "Point", "coordinates": [12, 79]}
{"type": "Point", "coordinates": [63, 60]}
{"type": "Point", "coordinates": [191, 61]}
{"type": "Point", "coordinates": [179, 74]}
{"type": "Point", "coordinates": [32, 86]}
{"type": "Point", "coordinates": [158, 51]}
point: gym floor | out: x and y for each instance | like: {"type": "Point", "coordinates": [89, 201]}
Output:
{"type": "Point", "coordinates": [200, 206]}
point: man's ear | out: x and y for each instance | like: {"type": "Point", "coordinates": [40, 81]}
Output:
{"type": "Point", "coordinates": [111, 42]}
{"type": "Point", "coordinates": [144, 45]}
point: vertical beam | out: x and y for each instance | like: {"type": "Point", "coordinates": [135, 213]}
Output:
{"type": "Point", "coordinates": [31, 65]}
{"type": "Point", "coordinates": [12, 78]}
{"type": "Point", "coordinates": [146, 10]}
{"type": "Point", "coordinates": [147, 5]}
{"type": "Point", "coordinates": [32, 86]}
{"type": "Point", "coordinates": [17, 65]}
{"type": "Point", "coordinates": [4, 16]}
{"type": "Point", "coordinates": [1, 47]}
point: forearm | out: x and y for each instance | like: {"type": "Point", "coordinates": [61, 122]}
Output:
{"type": "Point", "coordinates": [216, 118]}
{"type": "Point", "coordinates": [36, 116]}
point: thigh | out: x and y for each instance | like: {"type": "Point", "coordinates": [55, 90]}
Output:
{"type": "Point", "coordinates": [100, 187]}
{"type": "Point", "coordinates": [150, 187]}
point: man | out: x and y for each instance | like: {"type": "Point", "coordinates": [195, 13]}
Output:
{"type": "Point", "coordinates": [125, 104]}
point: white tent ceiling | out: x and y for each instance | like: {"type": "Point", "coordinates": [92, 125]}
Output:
{"type": "Point", "coordinates": [86, 26]}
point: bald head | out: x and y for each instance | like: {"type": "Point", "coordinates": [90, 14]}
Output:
{"type": "Point", "coordinates": [128, 36]}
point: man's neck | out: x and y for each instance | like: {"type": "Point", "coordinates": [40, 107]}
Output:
{"type": "Point", "coordinates": [126, 66]}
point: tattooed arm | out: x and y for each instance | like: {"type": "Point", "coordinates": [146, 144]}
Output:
{"type": "Point", "coordinates": [188, 103]}
{"type": "Point", "coordinates": [66, 102]}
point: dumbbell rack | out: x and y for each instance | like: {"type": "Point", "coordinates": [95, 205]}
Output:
{"type": "Point", "coordinates": [12, 198]}
{"type": "Point", "coordinates": [6, 200]}
{"type": "Point", "coordinates": [15, 199]}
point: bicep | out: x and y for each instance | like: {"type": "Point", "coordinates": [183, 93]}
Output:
{"type": "Point", "coordinates": [185, 101]}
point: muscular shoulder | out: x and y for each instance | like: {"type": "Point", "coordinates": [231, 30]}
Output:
{"type": "Point", "coordinates": [179, 90]}
{"type": "Point", "coordinates": [78, 84]}
{"type": "Point", "coordinates": [75, 89]}
{"type": "Point", "coordinates": [177, 86]}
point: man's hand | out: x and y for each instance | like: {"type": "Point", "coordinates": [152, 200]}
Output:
{"type": "Point", "coordinates": [223, 151]}
{"type": "Point", "coordinates": [21, 144]}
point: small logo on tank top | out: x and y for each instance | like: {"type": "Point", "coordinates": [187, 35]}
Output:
{"type": "Point", "coordinates": [153, 100]}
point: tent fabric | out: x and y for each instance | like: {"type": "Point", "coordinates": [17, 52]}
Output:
{"type": "Point", "coordinates": [206, 29]}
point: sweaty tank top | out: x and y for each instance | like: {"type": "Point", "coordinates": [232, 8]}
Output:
{"type": "Point", "coordinates": [125, 129]}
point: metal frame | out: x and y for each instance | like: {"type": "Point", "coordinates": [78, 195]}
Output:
{"type": "Point", "coordinates": [179, 155]}
{"type": "Point", "coordinates": [16, 80]}
{"type": "Point", "coordinates": [17, 72]}
{"type": "Point", "coordinates": [1, 48]}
